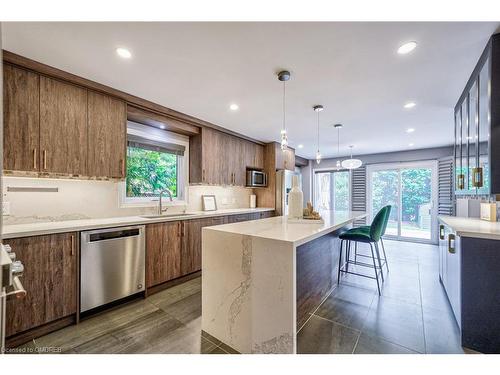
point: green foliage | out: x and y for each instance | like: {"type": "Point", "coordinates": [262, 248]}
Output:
{"type": "Point", "coordinates": [149, 172]}
{"type": "Point", "coordinates": [415, 191]}
{"type": "Point", "coordinates": [341, 194]}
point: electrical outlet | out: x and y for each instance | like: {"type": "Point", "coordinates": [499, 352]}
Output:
{"type": "Point", "coordinates": [5, 208]}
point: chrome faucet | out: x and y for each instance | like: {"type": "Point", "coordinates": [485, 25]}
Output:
{"type": "Point", "coordinates": [161, 210]}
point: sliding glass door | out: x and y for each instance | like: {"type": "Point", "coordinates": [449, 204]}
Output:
{"type": "Point", "coordinates": [331, 190]}
{"type": "Point", "coordinates": [411, 191]}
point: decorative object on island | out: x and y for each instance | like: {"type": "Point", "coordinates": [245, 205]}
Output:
{"type": "Point", "coordinates": [489, 211]}
{"type": "Point", "coordinates": [295, 199]}
{"type": "Point", "coordinates": [318, 109]}
{"type": "Point", "coordinates": [310, 214]}
{"type": "Point", "coordinates": [253, 201]}
{"type": "Point", "coordinates": [338, 127]}
{"type": "Point", "coordinates": [284, 76]}
{"type": "Point", "coordinates": [351, 163]}
{"type": "Point", "coordinates": [209, 202]}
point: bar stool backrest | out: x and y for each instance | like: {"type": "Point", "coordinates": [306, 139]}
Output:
{"type": "Point", "coordinates": [377, 226]}
{"type": "Point", "coordinates": [387, 215]}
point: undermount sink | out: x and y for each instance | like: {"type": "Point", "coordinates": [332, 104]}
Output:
{"type": "Point", "coordinates": [160, 216]}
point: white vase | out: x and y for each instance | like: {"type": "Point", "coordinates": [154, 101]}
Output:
{"type": "Point", "coordinates": [295, 200]}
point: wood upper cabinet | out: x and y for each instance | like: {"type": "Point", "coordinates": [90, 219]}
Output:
{"type": "Point", "coordinates": [222, 159]}
{"type": "Point", "coordinates": [163, 252]}
{"type": "Point", "coordinates": [284, 159]}
{"type": "Point", "coordinates": [191, 251]}
{"type": "Point", "coordinates": [63, 127]}
{"type": "Point", "coordinates": [50, 280]}
{"type": "Point", "coordinates": [21, 119]}
{"type": "Point", "coordinates": [107, 136]}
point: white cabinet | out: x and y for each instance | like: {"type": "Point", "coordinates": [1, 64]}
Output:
{"type": "Point", "coordinates": [450, 268]}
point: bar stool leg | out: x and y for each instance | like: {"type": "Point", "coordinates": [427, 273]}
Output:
{"type": "Point", "coordinates": [375, 269]}
{"type": "Point", "coordinates": [348, 257]}
{"type": "Point", "coordinates": [379, 262]}
{"type": "Point", "coordinates": [355, 251]}
{"type": "Point", "coordinates": [385, 256]}
{"type": "Point", "coordinates": [340, 261]}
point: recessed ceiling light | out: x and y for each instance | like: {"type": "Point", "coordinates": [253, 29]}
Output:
{"type": "Point", "coordinates": [407, 48]}
{"type": "Point", "coordinates": [411, 144]}
{"type": "Point", "coordinates": [410, 130]}
{"type": "Point", "coordinates": [410, 105]}
{"type": "Point", "coordinates": [300, 146]}
{"type": "Point", "coordinates": [234, 107]}
{"type": "Point", "coordinates": [124, 53]}
{"type": "Point", "coordinates": [162, 126]}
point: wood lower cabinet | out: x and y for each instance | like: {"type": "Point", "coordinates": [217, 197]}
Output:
{"type": "Point", "coordinates": [107, 133]}
{"type": "Point", "coordinates": [63, 127]}
{"type": "Point", "coordinates": [163, 252]}
{"type": "Point", "coordinates": [21, 119]}
{"type": "Point", "coordinates": [50, 280]}
{"type": "Point", "coordinates": [191, 251]}
{"type": "Point", "coordinates": [266, 214]}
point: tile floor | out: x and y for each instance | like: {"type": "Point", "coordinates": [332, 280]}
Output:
{"type": "Point", "coordinates": [411, 316]}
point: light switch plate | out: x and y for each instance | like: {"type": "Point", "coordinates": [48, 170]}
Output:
{"type": "Point", "coordinates": [5, 208]}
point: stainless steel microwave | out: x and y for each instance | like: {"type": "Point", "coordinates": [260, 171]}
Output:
{"type": "Point", "coordinates": [256, 178]}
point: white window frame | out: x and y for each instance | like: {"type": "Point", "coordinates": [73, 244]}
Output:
{"type": "Point", "coordinates": [159, 135]}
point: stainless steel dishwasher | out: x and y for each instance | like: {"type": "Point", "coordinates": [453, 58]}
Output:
{"type": "Point", "coordinates": [112, 265]}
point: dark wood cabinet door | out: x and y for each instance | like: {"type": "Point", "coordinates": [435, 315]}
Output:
{"type": "Point", "coordinates": [63, 127]}
{"type": "Point", "coordinates": [239, 218]}
{"type": "Point", "coordinates": [266, 214]}
{"type": "Point", "coordinates": [163, 252]}
{"type": "Point", "coordinates": [107, 132]}
{"type": "Point", "coordinates": [50, 280]}
{"type": "Point", "coordinates": [191, 251]}
{"type": "Point", "coordinates": [21, 119]}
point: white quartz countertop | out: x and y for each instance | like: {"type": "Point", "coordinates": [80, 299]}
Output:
{"type": "Point", "coordinates": [278, 228]}
{"type": "Point", "coordinates": [36, 229]}
{"type": "Point", "coordinates": [472, 227]}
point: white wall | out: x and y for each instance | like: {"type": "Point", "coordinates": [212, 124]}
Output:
{"type": "Point", "coordinates": [78, 199]}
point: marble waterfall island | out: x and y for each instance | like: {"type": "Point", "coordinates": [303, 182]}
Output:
{"type": "Point", "coordinates": [261, 279]}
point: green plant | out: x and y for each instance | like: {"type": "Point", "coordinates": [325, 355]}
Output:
{"type": "Point", "coordinates": [149, 172]}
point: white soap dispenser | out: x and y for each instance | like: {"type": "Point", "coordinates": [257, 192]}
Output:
{"type": "Point", "coordinates": [295, 200]}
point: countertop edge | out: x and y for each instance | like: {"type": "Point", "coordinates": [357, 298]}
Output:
{"type": "Point", "coordinates": [121, 221]}
{"type": "Point", "coordinates": [468, 233]}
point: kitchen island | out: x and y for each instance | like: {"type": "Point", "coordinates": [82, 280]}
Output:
{"type": "Point", "coordinates": [262, 280]}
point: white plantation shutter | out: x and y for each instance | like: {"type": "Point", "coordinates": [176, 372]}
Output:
{"type": "Point", "coordinates": [358, 192]}
{"type": "Point", "coordinates": [445, 186]}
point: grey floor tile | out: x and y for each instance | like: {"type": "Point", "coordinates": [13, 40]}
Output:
{"type": "Point", "coordinates": [322, 336]}
{"type": "Point", "coordinates": [184, 310]}
{"type": "Point", "coordinates": [375, 345]}
{"type": "Point", "coordinates": [396, 321]}
{"type": "Point", "coordinates": [228, 349]}
{"type": "Point", "coordinates": [346, 313]}
{"type": "Point", "coordinates": [96, 326]}
{"type": "Point", "coordinates": [105, 344]}
{"type": "Point", "coordinates": [442, 334]}
{"type": "Point", "coordinates": [176, 293]}
{"type": "Point", "coordinates": [217, 350]}
{"type": "Point", "coordinates": [211, 338]}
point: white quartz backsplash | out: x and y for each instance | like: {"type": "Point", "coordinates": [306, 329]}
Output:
{"type": "Point", "coordinates": [86, 199]}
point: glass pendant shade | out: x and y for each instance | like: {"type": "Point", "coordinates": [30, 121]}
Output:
{"type": "Point", "coordinates": [318, 157]}
{"type": "Point", "coordinates": [351, 163]}
{"type": "Point", "coordinates": [338, 165]}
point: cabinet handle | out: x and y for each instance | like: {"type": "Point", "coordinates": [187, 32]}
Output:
{"type": "Point", "coordinates": [451, 243]}
{"type": "Point", "coordinates": [179, 229]}
{"type": "Point", "coordinates": [183, 228]}
{"type": "Point", "coordinates": [34, 158]}
{"type": "Point", "coordinates": [44, 159]}
{"type": "Point", "coordinates": [72, 245]}
{"type": "Point", "coordinates": [477, 177]}
{"type": "Point", "coordinates": [461, 181]}
{"type": "Point", "coordinates": [122, 165]}
{"type": "Point", "coordinates": [441, 232]}
{"type": "Point", "coordinates": [203, 175]}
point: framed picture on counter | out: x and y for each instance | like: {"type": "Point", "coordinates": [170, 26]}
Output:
{"type": "Point", "coordinates": [209, 202]}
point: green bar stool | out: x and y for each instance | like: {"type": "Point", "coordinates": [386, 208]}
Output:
{"type": "Point", "coordinates": [372, 236]}
{"type": "Point", "coordinates": [366, 228]}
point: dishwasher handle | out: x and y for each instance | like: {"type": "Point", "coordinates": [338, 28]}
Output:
{"type": "Point", "coordinates": [113, 234]}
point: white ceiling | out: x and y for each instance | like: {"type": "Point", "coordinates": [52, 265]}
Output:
{"type": "Point", "coordinates": [352, 69]}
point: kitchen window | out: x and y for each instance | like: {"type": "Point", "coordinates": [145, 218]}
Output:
{"type": "Point", "coordinates": [156, 160]}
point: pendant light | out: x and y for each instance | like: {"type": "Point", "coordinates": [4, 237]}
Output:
{"type": "Point", "coordinates": [284, 76]}
{"type": "Point", "coordinates": [318, 109]}
{"type": "Point", "coordinates": [351, 163]}
{"type": "Point", "coordinates": [338, 127]}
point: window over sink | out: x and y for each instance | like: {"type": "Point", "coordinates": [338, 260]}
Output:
{"type": "Point", "coordinates": [156, 160]}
